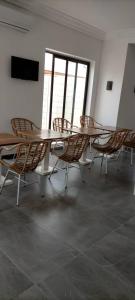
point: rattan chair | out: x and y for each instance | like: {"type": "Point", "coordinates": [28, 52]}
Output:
{"type": "Point", "coordinates": [74, 147]}
{"type": "Point", "coordinates": [88, 121]}
{"type": "Point", "coordinates": [130, 143]}
{"type": "Point", "coordinates": [28, 156]}
{"type": "Point", "coordinates": [113, 144]}
{"type": "Point", "coordinates": [21, 124]}
{"type": "Point", "coordinates": [59, 124]}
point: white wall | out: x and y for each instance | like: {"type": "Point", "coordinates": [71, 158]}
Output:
{"type": "Point", "coordinates": [111, 69]}
{"type": "Point", "coordinates": [126, 115]}
{"type": "Point", "coordinates": [24, 98]}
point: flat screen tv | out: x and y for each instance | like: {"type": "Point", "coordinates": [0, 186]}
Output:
{"type": "Point", "coordinates": [25, 69]}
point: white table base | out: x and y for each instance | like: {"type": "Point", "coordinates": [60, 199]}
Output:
{"type": "Point", "coordinates": [44, 168]}
{"type": "Point", "coordinates": [84, 160]}
{"type": "Point", "coordinates": [8, 181]}
{"type": "Point", "coordinates": [39, 170]}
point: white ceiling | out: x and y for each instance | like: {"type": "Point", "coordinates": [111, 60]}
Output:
{"type": "Point", "coordinates": [105, 15]}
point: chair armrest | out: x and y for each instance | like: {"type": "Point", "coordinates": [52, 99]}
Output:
{"type": "Point", "coordinates": [9, 148]}
{"type": "Point", "coordinates": [36, 127]}
{"type": "Point", "coordinates": [97, 123]}
{"type": "Point", "coordinates": [103, 136]}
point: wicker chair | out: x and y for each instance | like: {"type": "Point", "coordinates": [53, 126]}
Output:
{"type": "Point", "coordinates": [74, 147]}
{"type": "Point", "coordinates": [88, 121]}
{"type": "Point", "coordinates": [27, 159]}
{"type": "Point", "coordinates": [130, 143]}
{"type": "Point", "coordinates": [60, 123]}
{"type": "Point", "coordinates": [113, 144]}
{"type": "Point", "coordinates": [21, 124]}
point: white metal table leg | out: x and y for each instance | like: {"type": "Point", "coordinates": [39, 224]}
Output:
{"type": "Point", "coordinates": [44, 168]}
{"type": "Point", "coordinates": [84, 160]}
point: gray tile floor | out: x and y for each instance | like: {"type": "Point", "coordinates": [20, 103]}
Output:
{"type": "Point", "coordinates": [75, 244]}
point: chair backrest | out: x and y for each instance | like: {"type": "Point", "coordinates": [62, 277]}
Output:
{"type": "Point", "coordinates": [75, 146]}
{"type": "Point", "coordinates": [86, 121]}
{"type": "Point", "coordinates": [22, 124]}
{"type": "Point", "coordinates": [60, 123]}
{"type": "Point", "coordinates": [29, 155]}
{"type": "Point", "coordinates": [117, 139]}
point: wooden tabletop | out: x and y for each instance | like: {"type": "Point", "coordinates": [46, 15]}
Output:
{"type": "Point", "coordinates": [107, 128]}
{"type": "Point", "coordinates": [44, 134]}
{"type": "Point", "coordinates": [9, 139]}
{"type": "Point", "coordinates": [91, 131]}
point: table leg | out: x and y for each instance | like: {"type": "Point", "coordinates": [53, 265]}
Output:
{"type": "Point", "coordinates": [84, 160]}
{"type": "Point", "coordinates": [44, 168]}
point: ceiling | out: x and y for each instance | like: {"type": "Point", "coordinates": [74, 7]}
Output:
{"type": "Point", "coordinates": [105, 15]}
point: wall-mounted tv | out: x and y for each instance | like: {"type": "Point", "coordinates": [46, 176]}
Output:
{"type": "Point", "coordinates": [25, 69]}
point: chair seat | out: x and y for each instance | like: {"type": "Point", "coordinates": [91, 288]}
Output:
{"type": "Point", "coordinates": [68, 158]}
{"type": "Point", "coordinates": [129, 144]}
{"type": "Point", "coordinates": [104, 148]}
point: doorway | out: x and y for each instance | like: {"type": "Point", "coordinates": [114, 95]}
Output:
{"type": "Point", "coordinates": [65, 88]}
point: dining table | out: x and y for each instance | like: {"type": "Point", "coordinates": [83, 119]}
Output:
{"type": "Point", "coordinates": [7, 141]}
{"type": "Point", "coordinates": [46, 135]}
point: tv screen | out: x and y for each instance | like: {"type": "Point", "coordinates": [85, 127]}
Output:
{"type": "Point", "coordinates": [25, 69]}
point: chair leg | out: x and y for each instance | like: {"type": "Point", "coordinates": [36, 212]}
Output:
{"type": "Point", "coordinates": [24, 178]}
{"type": "Point", "coordinates": [119, 153]}
{"type": "Point", "coordinates": [131, 157]}
{"type": "Point", "coordinates": [66, 176]}
{"type": "Point", "coordinates": [53, 169]}
{"type": "Point", "coordinates": [90, 145]}
{"type": "Point", "coordinates": [1, 189]}
{"type": "Point", "coordinates": [106, 169]}
{"type": "Point", "coordinates": [18, 190]}
{"type": "Point", "coordinates": [81, 173]}
{"type": "Point", "coordinates": [102, 161]}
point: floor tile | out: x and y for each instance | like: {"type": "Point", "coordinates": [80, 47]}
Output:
{"type": "Point", "coordinates": [111, 249]}
{"type": "Point", "coordinates": [12, 280]}
{"type": "Point", "coordinates": [35, 293]}
{"type": "Point", "coordinates": [41, 254]}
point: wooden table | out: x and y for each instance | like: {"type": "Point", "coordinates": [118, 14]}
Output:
{"type": "Point", "coordinates": [7, 139]}
{"type": "Point", "coordinates": [92, 132]}
{"type": "Point", "coordinates": [49, 136]}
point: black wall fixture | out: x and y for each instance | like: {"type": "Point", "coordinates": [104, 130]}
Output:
{"type": "Point", "coordinates": [109, 85]}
